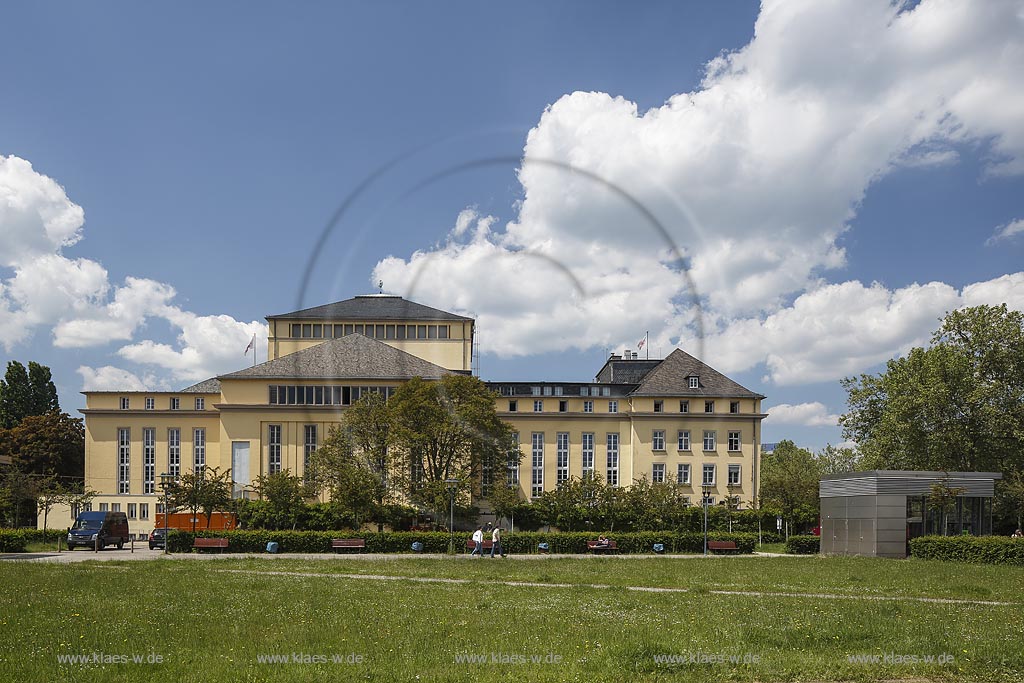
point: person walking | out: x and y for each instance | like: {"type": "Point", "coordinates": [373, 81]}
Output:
{"type": "Point", "coordinates": [496, 542]}
{"type": "Point", "coordinates": [478, 542]}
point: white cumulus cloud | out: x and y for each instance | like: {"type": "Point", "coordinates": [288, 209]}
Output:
{"type": "Point", "coordinates": [1006, 231]}
{"type": "Point", "coordinates": [813, 414]}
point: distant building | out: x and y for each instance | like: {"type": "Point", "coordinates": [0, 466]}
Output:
{"type": "Point", "coordinates": [876, 513]}
{"type": "Point", "coordinates": [675, 419]}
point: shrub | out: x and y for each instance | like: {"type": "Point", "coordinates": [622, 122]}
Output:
{"type": "Point", "coordinates": [974, 549]}
{"type": "Point", "coordinates": [521, 542]}
{"type": "Point", "coordinates": [12, 541]}
{"type": "Point", "coordinates": [803, 545]}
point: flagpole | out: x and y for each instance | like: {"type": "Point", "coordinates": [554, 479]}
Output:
{"type": "Point", "coordinates": [647, 343]}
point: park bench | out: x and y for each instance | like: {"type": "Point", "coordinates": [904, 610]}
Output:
{"type": "Point", "coordinates": [722, 546]}
{"type": "Point", "coordinates": [205, 543]}
{"type": "Point", "coordinates": [487, 545]}
{"type": "Point", "coordinates": [597, 547]}
{"type": "Point", "coordinates": [348, 543]}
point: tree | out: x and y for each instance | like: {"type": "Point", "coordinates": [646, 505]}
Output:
{"type": "Point", "coordinates": [445, 429]}
{"type": "Point", "coordinates": [368, 422]}
{"type": "Point", "coordinates": [49, 444]}
{"type": "Point", "coordinates": [942, 497]}
{"type": "Point", "coordinates": [285, 495]}
{"type": "Point", "coordinates": [14, 395]}
{"type": "Point", "coordinates": [206, 490]}
{"type": "Point", "coordinates": [42, 394]}
{"type": "Point", "coordinates": [353, 479]}
{"type": "Point", "coordinates": [1011, 497]}
{"type": "Point", "coordinates": [835, 460]}
{"type": "Point", "coordinates": [505, 500]}
{"type": "Point", "coordinates": [789, 481]}
{"type": "Point", "coordinates": [956, 405]}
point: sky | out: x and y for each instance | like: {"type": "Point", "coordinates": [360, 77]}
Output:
{"type": "Point", "coordinates": [795, 192]}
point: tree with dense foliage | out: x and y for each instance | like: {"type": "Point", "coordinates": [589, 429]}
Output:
{"type": "Point", "coordinates": [446, 429]}
{"type": "Point", "coordinates": [351, 476]}
{"type": "Point", "coordinates": [836, 460]}
{"type": "Point", "coordinates": [942, 497]}
{"type": "Point", "coordinates": [957, 405]}
{"type": "Point", "coordinates": [42, 393]}
{"type": "Point", "coordinates": [26, 392]}
{"type": "Point", "coordinates": [207, 490]}
{"type": "Point", "coordinates": [285, 496]}
{"type": "Point", "coordinates": [789, 482]}
{"type": "Point", "coordinates": [49, 444]}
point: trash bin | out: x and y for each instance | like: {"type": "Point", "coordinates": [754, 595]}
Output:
{"type": "Point", "coordinates": [659, 548]}
{"type": "Point", "coordinates": [417, 547]}
{"type": "Point", "coordinates": [272, 547]}
{"type": "Point", "coordinates": [543, 548]}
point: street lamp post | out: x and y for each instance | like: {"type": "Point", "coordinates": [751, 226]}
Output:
{"type": "Point", "coordinates": [706, 490]}
{"type": "Point", "coordinates": [166, 481]}
{"type": "Point", "coordinates": [452, 486]}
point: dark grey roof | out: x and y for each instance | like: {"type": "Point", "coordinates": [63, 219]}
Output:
{"type": "Point", "coordinates": [353, 356]}
{"type": "Point", "coordinates": [620, 371]}
{"type": "Point", "coordinates": [906, 483]}
{"type": "Point", "coordinates": [671, 378]}
{"type": "Point", "coordinates": [371, 307]}
{"type": "Point", "coordinates": [207, 386]}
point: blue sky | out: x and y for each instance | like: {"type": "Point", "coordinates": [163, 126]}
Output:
{"type": "Point", "coordinates": [836, 177]}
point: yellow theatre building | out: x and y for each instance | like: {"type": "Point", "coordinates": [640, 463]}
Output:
{"type": "Point", "coordinates": [674, 419]}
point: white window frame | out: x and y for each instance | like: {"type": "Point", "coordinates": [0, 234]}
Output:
{"type": "Point", "coordinates": [684, 406]}
{"type": "Point", "coordinates": [613, 406]}
{"type": "Point", "coordinates": [125, 403]}
{"type": "Point", "coordinates": [149, 460]}
{"type": "Point", "coordinates": [659, 406]}
{"type": "Point", "coordinates": [683, 473]}
{"type": "Point", "coordinates": [538, 406]}
{"type": "Point", "coordinates": [561, 458]}
{"type": "Point", "coordinates": [310, 435]}
{"type": "Point", "coordinates": [734, 474]}
{"type": "Point", "coordinates": [709, 406]}
{"type": "Point", "coordinates": [683, 440]}
{"type": "Point", "coordinates": [175, 403]}
{"type": "Point", "coordinates": [658, 473]}
{"type": "Point", "coordinates": [536, 464]}
{"type": "Point", "coordinates": [588, 406]}
{"type": "Point", "coordinates": [150, 403]}
{"type": "Point", "coordinates": [198, 449]}
{"type": "Point", "coordinates": [200, 403]}
{"type": "Point", "coordinates": [735, 441]}
{"type": "Point", "coordinates": [143, 510]}
{"type": "Point", "coordinates": [124, 459]}
{"type": "Point", "coordinates": [612, 461]}
{"type": "Point", "coordinates": [710, 440]}
{"type": "Point", "coordinates": [513, 461]}
{"type": "Point", "coordinates": [174, 452]}
{"type": "Point", "coordinates": [588, 453]}
{"type": "Point", "coordinates": [695, 382]}
{"type": "Point", "coordinates": [708, 466]}
{"type": "Point", "coordinates": [274, 449]}
{"type": "Point", "coordinates": [658, 440]}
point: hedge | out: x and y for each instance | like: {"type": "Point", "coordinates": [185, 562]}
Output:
{"type": "Point", "coordinates": [803, 545]}
{"type": "Point", "coordinates": [437, 541]}
{"type": "Point", "coordinates": [17, 540]}
{"type": "Point", "coordinates": [974, 549]}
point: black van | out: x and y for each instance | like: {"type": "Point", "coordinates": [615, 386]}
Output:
{"type": "Point", "coordinates": [109, 528]}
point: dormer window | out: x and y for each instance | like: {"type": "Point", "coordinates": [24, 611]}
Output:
{"type": "Point", "coordinates": [695, 382]}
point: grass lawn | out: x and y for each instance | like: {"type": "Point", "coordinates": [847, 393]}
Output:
{"type": "Point", "coordinates": [213, 620]}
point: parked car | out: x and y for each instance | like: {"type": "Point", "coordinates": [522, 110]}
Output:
{"type": "Point", "coordinates": [102, 528]}
{"type": "Point", "coordinates": [157, 539]}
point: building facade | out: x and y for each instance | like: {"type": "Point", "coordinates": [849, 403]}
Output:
{"type": "Point", "coordinates": [674, 419]}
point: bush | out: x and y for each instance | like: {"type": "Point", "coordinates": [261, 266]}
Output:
{"type": "Point", "coordinates": [12, 541]}
{"type": "Point", "coordinates": [803, 545]}
{"type": "Point", "coordinates": [523, 543]}
{"type": "Point", "coordinates": [974, 549]}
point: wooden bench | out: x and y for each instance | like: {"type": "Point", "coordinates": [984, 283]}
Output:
{"type": "Point", "coordinates": [348, 543]}
{"type": "Point", "coordinates": [722, 546]}
{"type": "Point", "coordinates": [598, 547]}
{"type": "Point", "coordinates": [204, 543]}
{"type": "Point", "coordinates": [486, 547]}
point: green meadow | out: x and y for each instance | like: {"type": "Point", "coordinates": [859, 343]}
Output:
{"type": "Point", "coordinates": [544, 619]}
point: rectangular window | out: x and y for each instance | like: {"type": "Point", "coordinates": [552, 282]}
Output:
{"type": "Point", "coordinates": [709, 406]}
{"type": "Point", "coordinates": [486, 478]}
{"type": "Point", "coordinates": [588, 454]}
{"type": "Point", "coordinates": [734, 474]}
{"type": "Point", "coordinates": [684, 406]}
{"type": "Point", "coordinates": [561, 457]}
{"type": "Point", "coordinates": [132, 507]}
{"type": "Point", "coordinates": [318, 331]}
{"type": "Point", "coordinates": [400, 332]}
{"type": "Point", "coordinates": [421, 331]}
{"type": "Point", "coordinates": [125, 403]}
{"type": "Point", "coordinates": [150, 403]}
{"type": "Point", "coordinates": [104, 507]}
{"type": "Point", "coordinates": [296, 330]}
{"type": "Point", "coordinates": [310, 448]}
{"type": "Point", "coordinates": [537, 464]}
{"type": "Point", "coordinates": [143, 510]}
{"type": "Point", "coordinates": [558, 391]}
{"type": "Point", "coordinates": [175, 403]}
{"type": "Point", "coordinates": [273, 449]}
{"type": "Point", "coordinates": [684, 439]}
{"type": "Point", "coordinates": [709, 440]}
{"type": "Point", "coordinates": [606, 391]}
{"type": "Point", "coordinates": [513, 406]}
{"type": "Point", "coordinates": [535, 391]}
{"type": "Point", "coordinates": [588, 406]}
{"type": "Point", "coordinates": [174, 452]}
{"type": "Point", "coordinates": [273, 394]}
{"type": "Point", "coordinates": [734, 406]}
{"type": "Point", "coordinates": [442, 331]}
{"type": "Point", "coordinates": [683, 473]}
{"type": "Point", "coordinates": [563, 406]}
{"type": "Point", "coordinates": [198, 449]}
{"type": "Point", "coordinates": [612, 444]}
{"type": "Point", "coordinates": [613, 406]}
{"type": "Point", "coordinates": [200, 403]}
{"type": "Point", "coordinates": [432, 332]}
{"type": "Point", "coordinates": [378, 331]}
{"type": "Point", "coordinates": [360, 329]}
{"type": "Point", "coordinates": [658, 473]}
{"type": "Point", "coordinates": [124, 459]}
{"type": "Point", "coordinates": [547, 391]}
{"type": "Point", "coordinates": [709, 474]}
{"type": "Point", "coordinates": [538, 406]}
{"type": "Point", "coordinates": [659, 406]}
{"type": "Point", "coordinates": [695, 383]}
{"type": "Point", "coordinates": [658, 440]}
{"type": "Point", "coordinates": [734, 441]}
{"type": "Point", "coordinates": [515, 456]}
{"type": "Point", "coordinates": [389, 331]}
{"type": "Point", "coordinates": [148, 460]}
{"type": "Point", "coordinates": [307, 330]}
{"type": "Point", "coordinates": [346, 330]}
{"type": "Point", "coordinates": [115, 507]}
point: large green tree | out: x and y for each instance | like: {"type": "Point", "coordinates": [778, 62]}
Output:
{"type": "Point", "coordinates": [789, 483]}
{"type": "Point", "coordinates": [206, 490]}
{"type": "Point", "coordinates": [956, 405]}
{"type": "Point", "coordinates": [351, 476]}
{"type": "Point", "coordinates": [14, 395]}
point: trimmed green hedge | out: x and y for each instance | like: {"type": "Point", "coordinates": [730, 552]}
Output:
{"type": "Point", "coordinates": [803, 545]}
{"type": "Point", "coordinates": [437, 542]}
{"type": "Point", "coordinates": [13, 541]}
{"type": "Point", "coordinates": [974, 549]}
